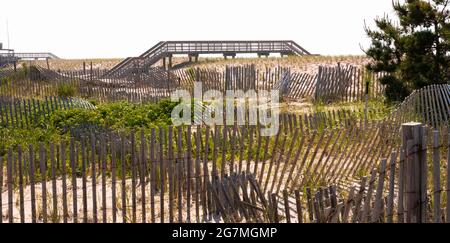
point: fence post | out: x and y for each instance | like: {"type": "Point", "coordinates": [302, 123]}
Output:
{"type": "Point", "coordinates": [366, 101]}
{"type": "Point", "coordinates": [415, 170]}
{"type": "Point", "coordinates": [318, 84]}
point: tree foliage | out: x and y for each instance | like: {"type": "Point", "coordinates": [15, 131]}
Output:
{"type": "Point", "coordinates": [412, 50]}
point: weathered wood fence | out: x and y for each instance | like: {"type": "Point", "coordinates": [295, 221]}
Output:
{"type": "Point", "coordinates": [429, 105]}
{"type": "Point", "coordinates": [16, 112]}
{"type": "Point", "coordinates": [299, 156]}
{"type": "Point", "coordinates": [168, 174]}
{"type": "Point", "coordinates": [330, 84]}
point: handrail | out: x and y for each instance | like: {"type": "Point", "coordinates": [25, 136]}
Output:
{"type": "Point", "coordinates": [24, 55]}
{"type": "Point", "coordinates": [299, 47]}
{"type": "Point", "coordinates": [129, 60]}
{"type": "Point", "coordinates": [120, 64]}
{"type": "Point", "coordinates": [145, 54]}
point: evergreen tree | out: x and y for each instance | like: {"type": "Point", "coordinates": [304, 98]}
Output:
{"type": "Point", "coordinates": [413, 51]}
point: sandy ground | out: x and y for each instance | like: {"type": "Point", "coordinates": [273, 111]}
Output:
{"type": "Point", "coordinates": [303, 64]}
{"type": "Point", "coordinates": [299, 107]}
{"type": "Point", "coordinates": [57, 216]}
{"type": "Point", "coordinates": [77, 64]}
{"type": "Point", "coordinates": [102, 64]}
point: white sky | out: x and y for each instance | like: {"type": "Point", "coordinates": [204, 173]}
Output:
{"type": "Point", "coordinates": [118, 28]}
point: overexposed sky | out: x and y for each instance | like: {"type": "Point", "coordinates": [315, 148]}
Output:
{"type": "Point", "coordinates": [121, 28]}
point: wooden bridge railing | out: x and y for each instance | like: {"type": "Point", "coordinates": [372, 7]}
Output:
{"type": "Point", "coordinates": [169, 48]}
{"type": "Point", "coordinates": [35, 55]}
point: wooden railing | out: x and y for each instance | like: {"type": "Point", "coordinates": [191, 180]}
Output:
{"type": "Point", "coordinates": [35, 55]}
{"type": "Point", "coordinates": [168, 48]}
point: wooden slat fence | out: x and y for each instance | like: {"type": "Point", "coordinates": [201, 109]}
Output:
{"type": "Point", "coordinates": [123, 179]}
{"type": "Point", "coordinates": [17, 112]}
{"type": "Point", "coordinates": [330, 84]}
{"type": "Point", "coordinates": [429, 105]}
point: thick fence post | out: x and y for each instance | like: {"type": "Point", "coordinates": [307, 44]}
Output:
{"type": "Point", "coordinates": [415, 170]}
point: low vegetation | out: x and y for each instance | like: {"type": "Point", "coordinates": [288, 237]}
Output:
{"type": "Point", "coordinates": [66, 90]}
{"type": "Point", "coordinates": [117, 116]}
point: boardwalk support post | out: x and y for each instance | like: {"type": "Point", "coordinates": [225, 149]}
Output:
{"type": "Point", "coordinates": [170, 61]}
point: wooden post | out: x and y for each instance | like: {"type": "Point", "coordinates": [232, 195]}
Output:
{"type": "Point", "coordinates": [21, 186]}
{"type": "Point", "coordinates": [366, 101]}
{"type": "Point", "coordinates": [32, 184]}
{"type": "Point", "coordinates": [1, 189]}
{"type": "Point", "coordinates": [73, 164]}
{"type": "Point", "coordinates": [113, 178]}
{"type": "Point", "coordinates": [64, 181]}
{"type": "Point", "coordinates": [10, 186]}
{"type": "Point", "coordinates": [390, 200]}
{"type": "Point", "coordinates": [273, 197]}
{"type": "Point", "coordinates": [376, 216]}
{"type": "Point", "coordinates": [448, 181]}
{"type": "Point", "coordinates": [84, 158]}
{"type": "Point", "coordinates": [436, 179]}
{"type": "Point", "coordinates": [286, 206]}
{"type": "Point", "coordinates": [94, 179]}
{"type": "Point", "coordinates": [298, 203]}
{"type": "Point", "coordinates": [43, 170]}
{"type": "Point", "coordinates": [90, 73]}
{"type": "Point", "coordinates": [415, 170]}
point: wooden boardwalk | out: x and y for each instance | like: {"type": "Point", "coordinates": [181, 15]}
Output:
{"type": "Point", "coordinates": [166, 49]}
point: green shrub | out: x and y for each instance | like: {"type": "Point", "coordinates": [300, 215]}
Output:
{"type": "Point", "coordinates": [66, 90]}
{"type": "Point", "coordinates": [94, 102]}
{"type": "Point", "coordinates": [16, 136]}
{"type": "Point", "coordinates": [117, 115]}
{"type": "Point", "coordinates": [74, 118]}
